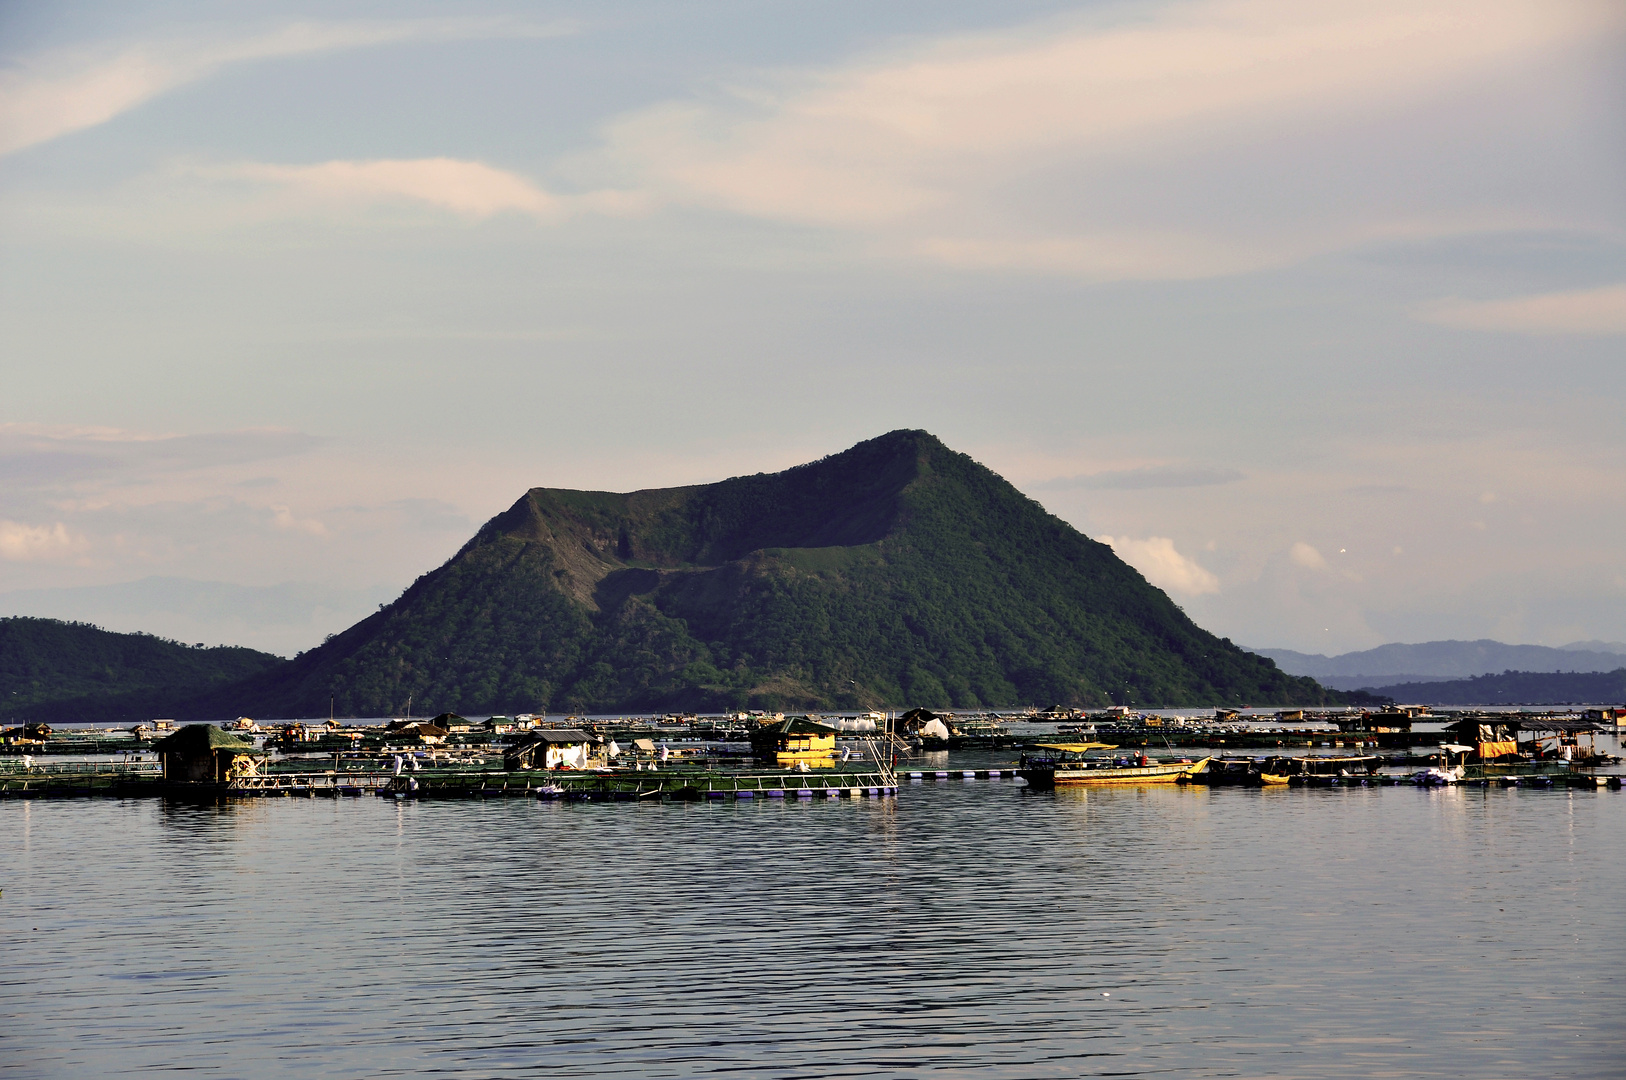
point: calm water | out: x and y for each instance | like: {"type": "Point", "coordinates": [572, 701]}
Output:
{"type": "Point", "coordinates": [962, 929]}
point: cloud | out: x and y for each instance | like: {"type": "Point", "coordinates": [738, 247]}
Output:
{"type": "Point", "coordinates": [1151, 476]}
{"type": "Point", "coordinates": [464, 187]}
{"type": "Point", "coordinates": [33, 455]}
{"type": "Point", "coordinates": [1597, 312]}
{"type": "Point", "coordinates": [1210, 137]}
{"type": "Point", "coordinates": [284, 518]}
{"type": "Point", "coordinates": [27, 543]}
{"type": "Point", "coordinates": [1163, 566]}
{"type": "Point", "coordinates": [1306, 556]}
{"type": "Point", "coordinates": [47, 96]}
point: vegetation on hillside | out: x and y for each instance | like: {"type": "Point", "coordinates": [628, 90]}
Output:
{"type": "Point", "coordinates": [1515, 688]}
{"type": "Point", "coordinates": [898, 572]}
{"type": "Point", "coordinates": [60, 671]}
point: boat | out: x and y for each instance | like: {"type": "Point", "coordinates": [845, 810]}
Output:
{"type": "Point", "coordinates": [1445, 773]}
{"type": "Point", "coordinates": [1070, 764]}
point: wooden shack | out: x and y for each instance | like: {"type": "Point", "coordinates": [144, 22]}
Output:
{"type": "Point", "coordinates": [924, 724]}
{"type": "Point", "coordinates": [1394, 718]}
{"type": "Point", "coordinates": [453, 723]}
{"type": "Point", "coordinates": [424, 731]}
{"type": "Point", "coordinates": [793, 741]}
{"type": "Point", "coordinates": [204, 754]}
{"type": "Point", "coordinates": [553, 748]}
{"type": "Point", "coordinates": [1492, 738]}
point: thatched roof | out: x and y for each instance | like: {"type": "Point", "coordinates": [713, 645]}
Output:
{"type": "Point", "coordinates": [197, 738]}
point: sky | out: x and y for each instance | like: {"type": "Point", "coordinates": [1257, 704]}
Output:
{"type": "Point", "coordinates": [1315, 312]}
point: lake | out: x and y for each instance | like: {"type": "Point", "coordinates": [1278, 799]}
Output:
{"type": "Point", "coordinates": [966, 928]}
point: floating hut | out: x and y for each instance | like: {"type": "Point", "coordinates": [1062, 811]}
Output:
{"type": "Point", "coordinates": [452, 722]}
{"type": "Point", "coordinates": [1490, 739]}
{"type": "Point", "coordinates": [204, 754]}
{"type": "Point", "coordinates": [430, 734]}
{"type": "Point", "coordinates": [795, 741]}
{"type": "Point", "coordinates": [924, 724]}
{"type": "Point", "coordinates": [1396, 719]}
{"type": "Point", "coordinates": [553, 748]}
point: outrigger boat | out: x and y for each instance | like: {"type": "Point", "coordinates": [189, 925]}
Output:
{"type": "Point", "coordinates": [1068, 764]}
{"type": "Point", "coordinates": [1234, 772]}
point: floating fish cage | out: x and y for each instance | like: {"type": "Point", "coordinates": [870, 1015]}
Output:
{"type": "Point", "coordinates": [620, 785]}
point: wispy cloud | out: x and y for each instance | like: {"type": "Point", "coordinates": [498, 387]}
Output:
{"type": "Point", "coordinates": [1156, 558]}
{"type": "Point", "coordinates": [1211, 137]}
{"type": "Point", "coordinates": [34, 455]}
{"type": "Point", "coordinates": [46, 96]}
{"type": "Point", "coordinates": [470, 188]}
{"type": "Point", "coordinates": [1597, 312]}
{"type": "Point", "coordinates": [1150, 476]}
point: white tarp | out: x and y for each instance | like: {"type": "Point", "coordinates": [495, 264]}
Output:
{"type": "Point", "coordinates": [574, 756]}
{"type": "Point", "coordinates": [933, 729]}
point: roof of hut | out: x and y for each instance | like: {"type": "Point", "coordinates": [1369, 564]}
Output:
{"type": "Point", "coordinates": [560, 736]}
{"type": "Point", "coordinates": [199, 737]}
{"type": "Point", "coordinates": [553, 737]}
{"type": "Point", "coordinates": [797, 725]}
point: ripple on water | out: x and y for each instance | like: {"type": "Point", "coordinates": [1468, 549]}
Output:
{"type": "Point", "coordinates": [963, 928]}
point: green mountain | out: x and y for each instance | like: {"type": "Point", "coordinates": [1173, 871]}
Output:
{"type": "Point", "coordinates": [58, 671]}
{"type": "Point", "coordinates": [897, 572]}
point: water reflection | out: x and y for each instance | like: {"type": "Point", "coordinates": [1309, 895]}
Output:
{"type": "Point", "coordinates": [962, 928]}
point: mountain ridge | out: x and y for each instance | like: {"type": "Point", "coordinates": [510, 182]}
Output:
{"type": "Point", "coordinates": [895, 572]}
{"type": "Point", "coordinates": [1434, 661]}
{"type": "Point", "coordinates": [1515, 688]}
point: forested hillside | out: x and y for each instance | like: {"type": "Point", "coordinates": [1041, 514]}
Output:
{"type": "Point", "coordinates": [57, 671]}
{"type": "Point", "coordinates": [1517, 688]}
{"type": "Point", "coordinates": [897, 572]}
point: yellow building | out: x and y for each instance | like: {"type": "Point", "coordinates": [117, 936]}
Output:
{"type": "Point", "coordinates": [795, 741]}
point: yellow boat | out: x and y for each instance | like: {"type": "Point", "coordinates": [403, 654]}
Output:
{"type": "Point", "coordinates": [1072, 765]}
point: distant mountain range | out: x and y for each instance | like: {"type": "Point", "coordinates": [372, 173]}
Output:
{"type": "Point", "coordinates": [1433, 661]}
{"type": "Point", "coordinates": [1516, 688]}
{"type": "Point", "coordinates": [897, 572]}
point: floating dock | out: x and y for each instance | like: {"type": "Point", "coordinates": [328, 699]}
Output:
{"type": "Point", "coordinates": [133, 780]}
